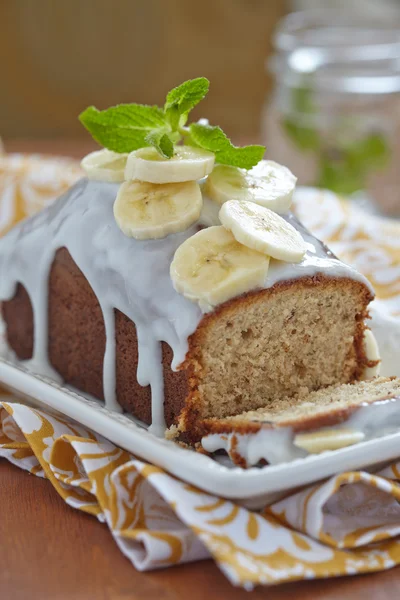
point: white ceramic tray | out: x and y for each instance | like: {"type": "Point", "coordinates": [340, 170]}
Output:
{"type": "Point", "coordinates": [252, 487]}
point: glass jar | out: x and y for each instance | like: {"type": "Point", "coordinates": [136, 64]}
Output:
{"type": "Point", "coordinates": [334, 115]}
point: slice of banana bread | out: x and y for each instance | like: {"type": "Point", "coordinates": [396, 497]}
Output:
{"type": "Point", "coordinates": [291, 427]}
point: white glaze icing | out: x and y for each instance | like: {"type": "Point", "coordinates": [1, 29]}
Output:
{"type": "Point", "coordinates": [125, 274]}
{"type": "Point", "coordinates": [276, 445]}
{"type": "Point", "coordinates": [209, 213]}
{"type": "Point", "coordinates": [386, 329]}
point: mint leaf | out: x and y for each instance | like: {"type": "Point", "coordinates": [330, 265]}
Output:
{"type": "Point", "coordinates": [339, 177]}
{"type": "Point", "coordinates": [122, 128]}
{"type": "Point", "coordinates": [183, 98]}
{"type": "Point", "coordinates": [305, 138]}
{"type": "Point", "coordinates": [346, 170]}
{"type": "Point", "coordinates": [212, 138]}
{"type": "Point", "coordinates": [160, 140]}
{"type": "Point", "coordinates": [173, 117]}
{"type": "Point", "coordinates": [371, 151]}
{"type": "Point", "coordinates": [209, 137]}
{"type": "Point", "coordinates": [302, 98]}
{"type": "Point", "coordinates": [245, 157]}
{"type": "Point", "coordinates": [302, 134]}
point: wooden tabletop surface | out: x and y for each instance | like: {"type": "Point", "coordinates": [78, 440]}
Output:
{"type": "Point", "coordinates": [49, 551]}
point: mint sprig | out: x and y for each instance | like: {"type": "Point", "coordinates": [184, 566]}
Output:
{"type": "Point", "coordinates": [122, 128]}
{"type": "Point", "coordinates": [182, 99]}
{"type": "Point", "coordinates": [212, 138]}
{"type": "Point", "coordinates": [343, 164]}
{"type": "Point", "coordinates": [128, 127]}
{"type": "Point", "coordinates": [160, 140]}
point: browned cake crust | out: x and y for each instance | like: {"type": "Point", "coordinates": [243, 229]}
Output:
{"type": "Point", "coordinates": [18, 317]}
{"type": "Point", "coordinates": [77, 343]}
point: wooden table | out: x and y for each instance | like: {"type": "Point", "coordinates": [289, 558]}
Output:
{"type": "Point", "coordinates": [49, 551]}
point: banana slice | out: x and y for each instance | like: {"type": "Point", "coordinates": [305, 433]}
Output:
{"type": "Point", "coordinates": [263, 230]}
{"type": "Point", "coordinates": [268, 184]}
{"type": "Point", "coordinates": [327, 439]}
{"type": "Point", "coordinates": [372, 353]}
{"type": "Point", "coordinates": [211, 267]}
{"type": "Point", "coordinates": [187, 164]}
{"type": "Point", "coordinates": [147, 211]}
{"type": "Point", "coordinates": [105, 165]}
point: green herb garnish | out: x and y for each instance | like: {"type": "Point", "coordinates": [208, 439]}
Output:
{"type": "Point", "coordinates": [128, 127]}
{"type": "Point", "coordinates": [343, 166]}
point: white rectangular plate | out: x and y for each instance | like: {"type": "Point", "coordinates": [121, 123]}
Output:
{"type": "Point", "coordinates": [252, 487]}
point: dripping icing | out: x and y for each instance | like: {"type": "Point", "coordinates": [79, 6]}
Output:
{"type": "Point", "coordinates": [129, 275]}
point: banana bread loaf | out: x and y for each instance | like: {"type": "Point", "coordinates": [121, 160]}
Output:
{"type": "Point", "coordinates": [84, 303]}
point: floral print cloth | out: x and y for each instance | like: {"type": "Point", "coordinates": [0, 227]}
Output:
{"type": "Point", "coordinates": [347, 524]}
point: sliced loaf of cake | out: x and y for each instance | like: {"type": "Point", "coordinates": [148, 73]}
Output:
{"type": "Point", "coordinates": [174, 282]}
{"type": "Point", "coordinates": [84, 303]}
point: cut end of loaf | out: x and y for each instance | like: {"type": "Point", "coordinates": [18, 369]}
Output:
{"type": "Point", "coordinates": [286, 341]}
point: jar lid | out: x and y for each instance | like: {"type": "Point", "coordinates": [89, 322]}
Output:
{"type": "Point", "coordinates": [344, 52]}
{"type": "Point", "coordinates": [341, 31]}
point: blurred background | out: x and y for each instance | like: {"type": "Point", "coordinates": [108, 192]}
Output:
{"type": "Point", "coordinates": [317, 81]}
{"type": "Point", "coordinates": [58, 57]}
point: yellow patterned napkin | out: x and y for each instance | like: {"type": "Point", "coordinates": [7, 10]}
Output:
{"type": "Point", "coordinates": [345, 525]}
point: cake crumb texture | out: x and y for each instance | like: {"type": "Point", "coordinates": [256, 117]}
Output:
{"type": "Point", "coordinates": [321, 408]}
{"type": "Point", "coordinates": [285, 341]}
